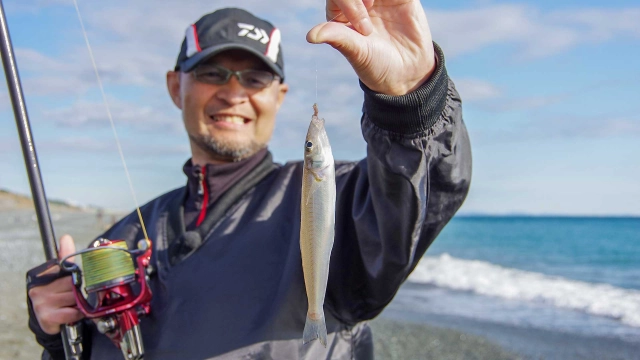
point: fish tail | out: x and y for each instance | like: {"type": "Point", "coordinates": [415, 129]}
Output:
{"type": "Point", "coordinates": [315, 329]}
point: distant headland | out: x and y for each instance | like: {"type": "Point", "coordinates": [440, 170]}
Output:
{"type": "Point", "coordinates": [13, 201]}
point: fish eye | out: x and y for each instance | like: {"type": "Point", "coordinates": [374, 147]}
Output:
{"type": "Point", "coordinates": [309, 145]}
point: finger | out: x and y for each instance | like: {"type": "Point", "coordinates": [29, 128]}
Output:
{"type": "Point", "coordinates": [61, 285]}
{"type": "Point", "coordinates": [52, 301]}
{"type": "Point", "coordinates": [355, 12]}
{"type": "Point", "coordinates": [67, 247]}
{"type": "Point", "coordinates": [65, 299]}
{"type": "Point", "coordinates": [51, 322]}
{"type": "Point", "coordinates": [342, 38]}
{"type": "Point", "coordinates": [55, 310]}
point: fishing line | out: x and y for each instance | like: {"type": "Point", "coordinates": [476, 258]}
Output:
{"type": "Point", "coordinates": [339, 13]}
{"type": "Point", "coordinates": [106, 265]}
{"type": "Point", "coordinates": [113, 127]}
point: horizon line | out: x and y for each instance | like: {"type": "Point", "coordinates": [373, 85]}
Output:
{"type": "Point", "coordinates": [459, 214]}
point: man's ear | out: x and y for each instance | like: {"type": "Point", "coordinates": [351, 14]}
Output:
{"type": "Point", "coordinates": [282, 91]}
{"type": "Point", "coordinates": [173, 86]}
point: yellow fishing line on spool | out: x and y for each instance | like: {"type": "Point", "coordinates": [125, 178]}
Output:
{"type": "Point", "coordinates": [103, 265]}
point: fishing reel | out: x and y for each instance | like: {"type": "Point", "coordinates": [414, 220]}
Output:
{"type": "Point", "coordinates": [117, 293]}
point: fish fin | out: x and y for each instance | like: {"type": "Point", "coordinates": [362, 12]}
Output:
{"type": "Point", "coordinates": [315, 329]}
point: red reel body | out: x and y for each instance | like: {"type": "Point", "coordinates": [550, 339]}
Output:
{"type": "Point", "coordinates": [117, 306]}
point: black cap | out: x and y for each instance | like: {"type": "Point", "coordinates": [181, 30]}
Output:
{"type": "Point", "coordinates": [227, 29]}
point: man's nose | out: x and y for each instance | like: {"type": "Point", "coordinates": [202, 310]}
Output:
{"type": "Point", "coordinates": [232, 92]}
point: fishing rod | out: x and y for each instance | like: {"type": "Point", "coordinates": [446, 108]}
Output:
{"type": "Point", "coordinates": [70, 333]}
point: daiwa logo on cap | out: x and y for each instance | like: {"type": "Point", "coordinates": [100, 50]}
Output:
{"type": "Point", "coordinates": [255, 33]}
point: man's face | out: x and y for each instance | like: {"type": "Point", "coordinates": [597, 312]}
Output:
{"type": "Point", "coordinates": [226, 122]}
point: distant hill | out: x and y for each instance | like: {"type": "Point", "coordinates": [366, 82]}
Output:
{"type": "Point", "coordinates": [13, 201]}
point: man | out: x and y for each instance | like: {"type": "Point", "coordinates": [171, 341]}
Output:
{"type": "Point", "coordinates": [227, 279]}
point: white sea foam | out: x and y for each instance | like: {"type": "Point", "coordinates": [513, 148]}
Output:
{"type": "Point", "coordinates": [493, 280]}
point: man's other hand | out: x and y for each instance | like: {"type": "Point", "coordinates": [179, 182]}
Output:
{"type": "Point", "coordinates": [54, 304]}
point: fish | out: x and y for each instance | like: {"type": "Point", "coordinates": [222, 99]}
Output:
{"type": "Point", "coordinates": [317, 224]}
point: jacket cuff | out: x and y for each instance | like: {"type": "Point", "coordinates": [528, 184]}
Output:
{"type": "Point", "coordinates": [414, 112]}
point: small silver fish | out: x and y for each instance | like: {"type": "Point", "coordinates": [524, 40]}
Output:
{"type": "Point", "coordinates": [317, 228]}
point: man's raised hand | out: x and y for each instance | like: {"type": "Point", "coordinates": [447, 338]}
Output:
{"type": "Point", "coordinates": [387, 42]}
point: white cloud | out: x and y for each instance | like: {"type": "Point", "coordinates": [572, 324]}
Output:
{"type": "Point", "coordinates": [473, 90]}
{"type": "Point", "coordinates": [9, 143]}
{"type": "Point", "coordinates": [125, 114]}
{"type": "Point", "coordinates": [521, 103]}
{"type": "Point", "coordinates": [603, 24]}
{"type": "Point", "coordinates": [5, 101]}
{"type": "Point", "coordinates": [486, 96]}
{"type": "Point", "coordinates": [73, 73]}
{"type": "Point", "coordinates": [532, 32]}
{"type": "Point", "coordinates": [45, 75]}
{"type": "Point", "coordinates": [84, 144]}
{"type": "Point", "coordinates": [33, 6]}
{"type": "Point", "coordinates": [593, 128]}
{"type": "Point", "coordinates": [564, 127]}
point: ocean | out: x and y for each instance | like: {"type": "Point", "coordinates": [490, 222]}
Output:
{"type": "Point", "coordinates": [573, 276]}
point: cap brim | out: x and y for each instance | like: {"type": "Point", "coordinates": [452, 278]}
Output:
{"type": "Point", "coordinates": [205, 54]}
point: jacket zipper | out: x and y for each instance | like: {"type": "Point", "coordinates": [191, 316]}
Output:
{"type": "Point", "coordinates": [203, 190]}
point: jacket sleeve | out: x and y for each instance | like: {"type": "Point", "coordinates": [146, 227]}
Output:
{"type": "Point", "coordinates": [391, 206]}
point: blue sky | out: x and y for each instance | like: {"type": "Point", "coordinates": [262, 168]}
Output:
{"type": "Point", "coordinates": [550, 95]}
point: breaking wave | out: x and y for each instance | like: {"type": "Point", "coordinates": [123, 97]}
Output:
{"type": "Point", "coordinates": [488, 279]}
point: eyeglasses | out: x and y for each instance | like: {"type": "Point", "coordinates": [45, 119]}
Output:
{"type": "Point", "coordinates": [218, 75]}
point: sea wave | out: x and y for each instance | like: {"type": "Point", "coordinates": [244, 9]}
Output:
{"type": "Point", "coordinates": [493, 280]}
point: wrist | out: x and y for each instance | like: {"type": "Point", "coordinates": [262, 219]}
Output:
{"type": "Point", "coordinates": [422, 73]}
{"type": "Point", "coordinates": [414, 112]}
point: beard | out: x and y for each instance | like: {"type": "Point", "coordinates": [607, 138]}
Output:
{"type": "Point", "coordinates": [226, 150]}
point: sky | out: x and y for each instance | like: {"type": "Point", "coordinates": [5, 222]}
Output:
{"type": "Point", "coordinates": [550, 95]}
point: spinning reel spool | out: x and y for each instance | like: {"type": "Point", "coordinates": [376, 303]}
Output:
{"type": "Point", "coordinates": [109, 280]}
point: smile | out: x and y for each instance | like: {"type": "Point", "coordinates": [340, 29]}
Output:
{"type": "Point", "coordinates": [231, 119]}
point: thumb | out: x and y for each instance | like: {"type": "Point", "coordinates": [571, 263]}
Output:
{"type": "Point", "coordinates": [341, 37]}
{"type": "Point", "coordinates": [67, 247]}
